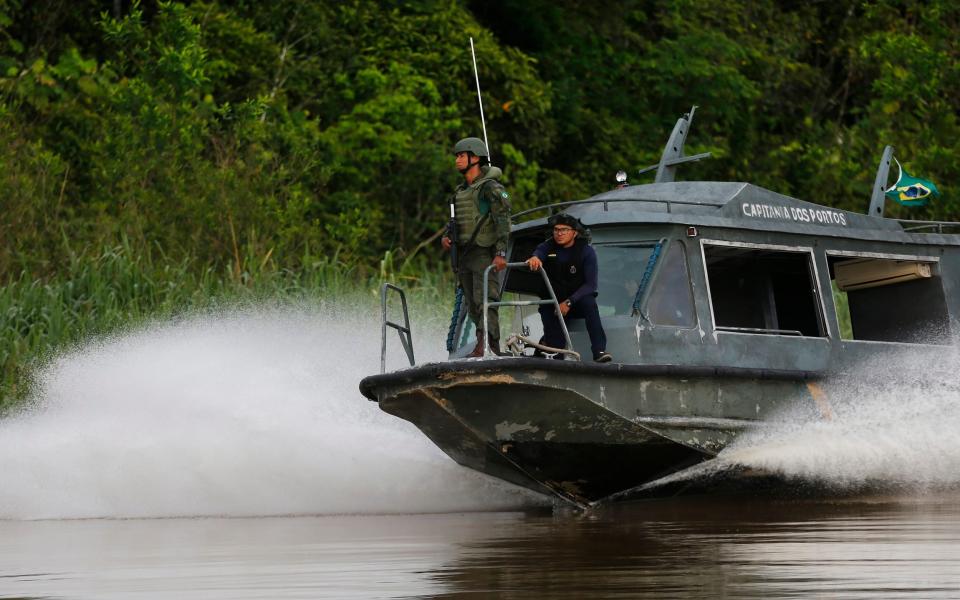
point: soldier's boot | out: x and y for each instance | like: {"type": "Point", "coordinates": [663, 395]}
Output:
{"type": "Point", "coordinates": [495, 346]}
{"type": "Point", "coordinates": [478, 349]}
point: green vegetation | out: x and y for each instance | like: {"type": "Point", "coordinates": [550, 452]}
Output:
{"type": "Point", "coordinates": [159, 157]}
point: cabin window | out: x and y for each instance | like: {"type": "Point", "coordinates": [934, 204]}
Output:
{"type": "Point", "coordinates": [620, 268]}
{"type": "Point", "coordinates": [671, 300]}
{"type": "Point", "coordinates": [763, 290]}
{"type": "Point", "coordinates": [889, 300]}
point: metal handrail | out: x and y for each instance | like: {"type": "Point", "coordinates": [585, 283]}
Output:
{"type": "Point", "coordinates": [918, 226]}
{"type": "Point", "coordinates": [406, 342]}
{"type": "Point", "coordinates": [487, 304]}
{"type": "Point", "coordinates": [606, 201]}
{"type": "Point", "coordinates": [908, 224]}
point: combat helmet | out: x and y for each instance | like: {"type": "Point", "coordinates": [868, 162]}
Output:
{"type": "Point", "coordinates": [471, 144]}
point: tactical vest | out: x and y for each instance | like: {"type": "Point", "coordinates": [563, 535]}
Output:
{"type": "Point", "coordinates": [470, 209]}
{"type": "Point", "coordinates": [566, 277]}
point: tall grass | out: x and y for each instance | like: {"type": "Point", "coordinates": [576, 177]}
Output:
{"type": "Point", "coordinates": [102, 292]}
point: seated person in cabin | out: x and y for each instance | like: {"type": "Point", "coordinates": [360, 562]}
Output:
{"type": "Point", "coordinates": [571, 265]}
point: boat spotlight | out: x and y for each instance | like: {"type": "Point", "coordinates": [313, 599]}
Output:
{"type": "Point", "coordinates": [621, 178]}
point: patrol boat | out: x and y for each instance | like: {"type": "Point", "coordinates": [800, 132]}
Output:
{"type": "Point", "coordinates": [724, 305]}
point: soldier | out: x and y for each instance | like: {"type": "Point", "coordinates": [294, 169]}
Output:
{"type": "Point", "coordinates": [482, 228]}
{"type": "Point", "coordinates": [571, 265]}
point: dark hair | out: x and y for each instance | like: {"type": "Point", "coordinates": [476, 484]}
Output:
{"type": "Point", "coordinates": [564, 219]}
{"type": "Point", "coordinates": [570, 221]}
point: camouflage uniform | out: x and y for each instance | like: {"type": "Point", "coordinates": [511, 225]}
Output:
{"type": "Point", "coordinates": [473, 201]}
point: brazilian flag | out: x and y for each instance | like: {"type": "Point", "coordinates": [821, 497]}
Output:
{"type": "Point", "coordinates": [910, 190]}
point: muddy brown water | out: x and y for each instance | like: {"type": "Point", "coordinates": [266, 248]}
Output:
{"type": "Point", "coordinates": [739, 546]}
{"type": "Point", "coordinates": [259, 414]}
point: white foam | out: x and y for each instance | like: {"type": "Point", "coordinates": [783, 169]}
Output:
{"type": "Point", "coordinates": [887, 432]}
{"type": "Point", "coordinates": [248, 413]}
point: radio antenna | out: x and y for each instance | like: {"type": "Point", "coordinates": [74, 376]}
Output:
{"type": "Point", "coordinates": [483, 122]}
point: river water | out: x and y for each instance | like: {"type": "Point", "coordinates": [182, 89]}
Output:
{"type": "Point", "coordinates": [696, 547]}
{"type": "Point", "coordinates": [231, 456]}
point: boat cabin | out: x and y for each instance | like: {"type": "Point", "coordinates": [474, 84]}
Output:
{"type": "Point", "coordinates": [726, 307]}
{"type": "Point", "coordinates": [732, 275]}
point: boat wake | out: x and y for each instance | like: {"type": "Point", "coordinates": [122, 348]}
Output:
{"type": "Point", "coordinates": [896, 436]}
{"type": "Point", "coordinates": [243, 414]}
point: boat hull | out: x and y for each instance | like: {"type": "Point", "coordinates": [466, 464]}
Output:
{"type": "Point", "coordinates": [581, 432]}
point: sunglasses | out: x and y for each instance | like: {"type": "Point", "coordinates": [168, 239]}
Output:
{"type": "Point", "coordinates": [562, 230]}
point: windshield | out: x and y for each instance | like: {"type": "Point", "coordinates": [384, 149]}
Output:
{"type": "Point", "coordinates": [620, 269]}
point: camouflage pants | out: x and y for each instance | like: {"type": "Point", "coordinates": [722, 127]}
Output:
{"type": "Point", "coordinates": [472, 264]}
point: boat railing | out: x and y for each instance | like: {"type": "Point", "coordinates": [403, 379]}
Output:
{"type": "Point", "coordinates": [406, 338]}
{"type": "Point", "coordinates": [552, 208]}
{"type": "Point", "coordinates": [553, 300]}
{"type": "Point", "coordinates": [908, 225]}
{"type": "Point", "coordinates": [928, 226]}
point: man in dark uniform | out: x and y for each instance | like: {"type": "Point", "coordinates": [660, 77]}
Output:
{"type": "Point", "coordinates": [482, 209]}
{"type": "Point", "coordinates": [571, 265]}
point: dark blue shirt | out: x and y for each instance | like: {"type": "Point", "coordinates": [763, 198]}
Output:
{"type": "Point", "coordinates": [588, 268]}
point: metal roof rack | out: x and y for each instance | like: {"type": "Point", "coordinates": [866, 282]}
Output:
{"type": "Point", "coordinates": [606, 201]}
{"type": "Point", "coordinates": [927, 226]}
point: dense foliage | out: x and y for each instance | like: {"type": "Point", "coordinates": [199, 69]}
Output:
{"type": "Point", "coordinates": [234, 132]}
{"type": "Point", "coordinates": [234, 139]}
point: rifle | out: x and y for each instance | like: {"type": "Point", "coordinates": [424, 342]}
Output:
{"type": "Point", "coordinates": [455, 236]}
{"type": "Point", "coordinates": [452, 235]}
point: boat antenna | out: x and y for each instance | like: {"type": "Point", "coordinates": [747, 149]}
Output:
{"type": "Point", "coordinates": [483, 122]}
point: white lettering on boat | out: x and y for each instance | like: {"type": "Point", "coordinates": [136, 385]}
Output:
{"type": "Point", "coordinates": [817, 216]}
